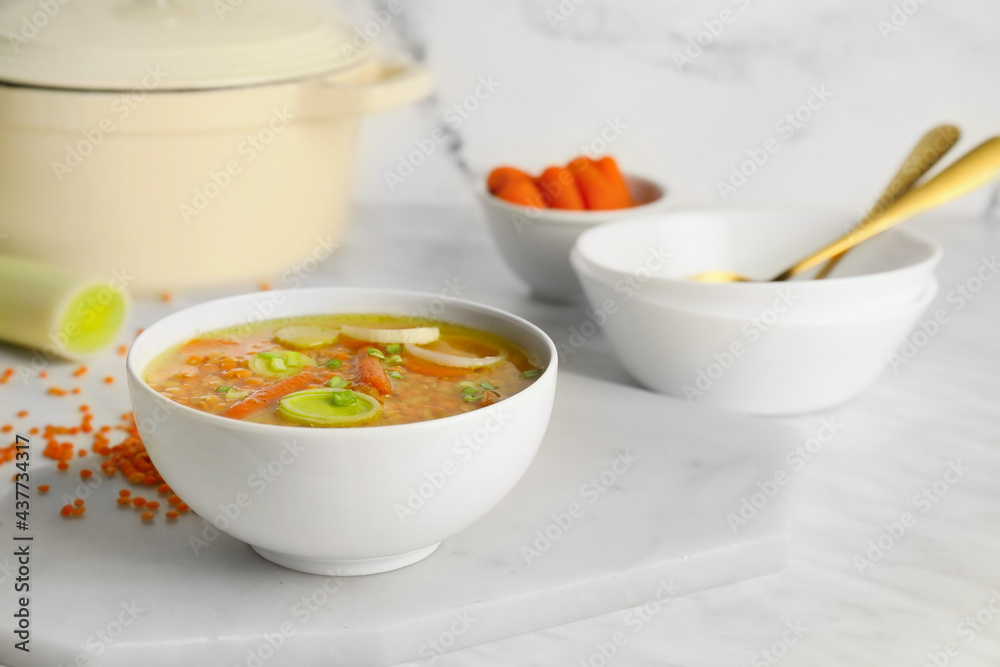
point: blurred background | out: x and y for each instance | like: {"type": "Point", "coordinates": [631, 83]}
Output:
{"type": "Point", "coordinates": [687, 91]}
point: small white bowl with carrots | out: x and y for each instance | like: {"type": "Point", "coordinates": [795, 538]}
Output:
{"type": "Point", "coordinates": [535, 221]}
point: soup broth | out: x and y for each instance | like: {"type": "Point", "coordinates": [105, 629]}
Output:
{"type": "Point", "coordinates": [343, 370]}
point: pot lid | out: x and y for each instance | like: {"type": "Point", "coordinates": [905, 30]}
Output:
{"type": "Point", "coordinates": [171, 44]}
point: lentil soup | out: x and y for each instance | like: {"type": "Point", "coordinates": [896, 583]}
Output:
{"type": "Point", "coordinates": [342, 370]}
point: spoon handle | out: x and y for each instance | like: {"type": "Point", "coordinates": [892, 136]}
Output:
{"type": "Point", "coordinates": [931, 148]}
{"type": "Point", "coordinates": [973, 170]}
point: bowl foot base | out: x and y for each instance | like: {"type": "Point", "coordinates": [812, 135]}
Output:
{"type": "Point", "coordinates": [346, 567]}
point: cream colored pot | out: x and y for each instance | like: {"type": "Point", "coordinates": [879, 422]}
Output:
{"type": "Point", "coordinates": [155, 142]}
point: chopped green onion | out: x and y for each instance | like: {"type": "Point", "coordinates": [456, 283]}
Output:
{"type": "Point", "coordinates": [472, 398]}
{"type": "Point", "coordinates": [373, 352]}
{"type": "Point", "coordinates": [466, 391]}
{"type": "Point", "coordinates": [344, 398]}
{"type": "Point", "coordinates": [394, 359]}
{"type": "Point", "coordinates": [531, 373]}
{"type": "Point", "coordinates": [279, 362]}
{"type": "Point", "coordinates": [337, 382]}
{"type": "Point", "coordinates": [489, 386]}
{"type": "Point", "coordinates": [235, 394]}
{"type": "Point", "coordinates": [393, 348]}
{"type": "Point", "coordinates": [222, 388]}
{"type": "Point", "coordinates": [394, 374]}
{"type": "Point", "coordinates": [334, 363]}
{"type": "Point", "coordinates": [465, 383]}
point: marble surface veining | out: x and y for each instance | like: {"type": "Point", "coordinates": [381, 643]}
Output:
{"type": "Point", "coordinates": [564, 70]}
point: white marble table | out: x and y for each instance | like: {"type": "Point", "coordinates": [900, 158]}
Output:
{"type": "Point", "coordinates": [896, 451]}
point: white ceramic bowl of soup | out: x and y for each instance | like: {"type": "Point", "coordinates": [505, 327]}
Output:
{"type": "Point", "coordinates": [341, 501]}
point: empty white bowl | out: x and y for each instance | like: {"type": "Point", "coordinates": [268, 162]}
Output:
{"type": "Point", "coordinates": [660, 251]}
{"type": "Point", "coordinates": [767, 364]}
{"type": "Point", "coordinates": [536, 243]}
{"type": "Point", "coordinates": [340, 501]}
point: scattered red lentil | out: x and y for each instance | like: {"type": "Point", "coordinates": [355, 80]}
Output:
{"type": "Point", "coordinates": [43, 375]}
{"type": "Point", "coordinates": [264, 286]}
{"type": "Point", "coordinates": [109, 379]}
{"type": "Point", "coordinates": [128, 457]}
{"type": "Point", "coordinates": [80, 372]}
{"type": "Point", "coordinates": [56, 391]}
{"type": "Point", "coordinates": [76, 391]}
{"type": "Point", "coordinates": [7, 454]}
{"type": "Point", "coordinates": [174, 499]}
{"type": "Point", "coordinates": [122, 350]}
{"type": "Point", "coordinates": [7, 428]}
{"type": "Point", "coordinates": [166, 297]}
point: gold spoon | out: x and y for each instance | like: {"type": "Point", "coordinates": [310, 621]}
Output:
{"type": "Point", "coordinates": [931, 148]}
{"type": "Point", "coordinates": [974, 169]}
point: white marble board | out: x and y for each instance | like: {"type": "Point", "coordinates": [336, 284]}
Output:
{"type": "Point", "coordinates": [655, 527]}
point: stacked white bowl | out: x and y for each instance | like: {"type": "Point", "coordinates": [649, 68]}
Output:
{"type": "Point", "coordinates": [757, 347]}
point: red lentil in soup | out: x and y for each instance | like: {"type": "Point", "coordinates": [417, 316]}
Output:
{"type": "Point", "coordinates": [343, 370]}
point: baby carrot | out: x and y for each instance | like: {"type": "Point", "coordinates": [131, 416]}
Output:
{"type": "Point", "coordinates": [427, 368]}
{"type": "Point", "coordinates": [262, 398]}
{"type": "Point", "coordinates": [501, 175]}
{"type": "Point", "coordinates": [524, 193]}
{"type": "Point", "coordinates": [609, 168]}
{"type": "Point", "coordinates": [560, 190]}
{"type": "Point", "coordinates": [597, 191]}
{"type": "Point", "coordinates": [368, 370]}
